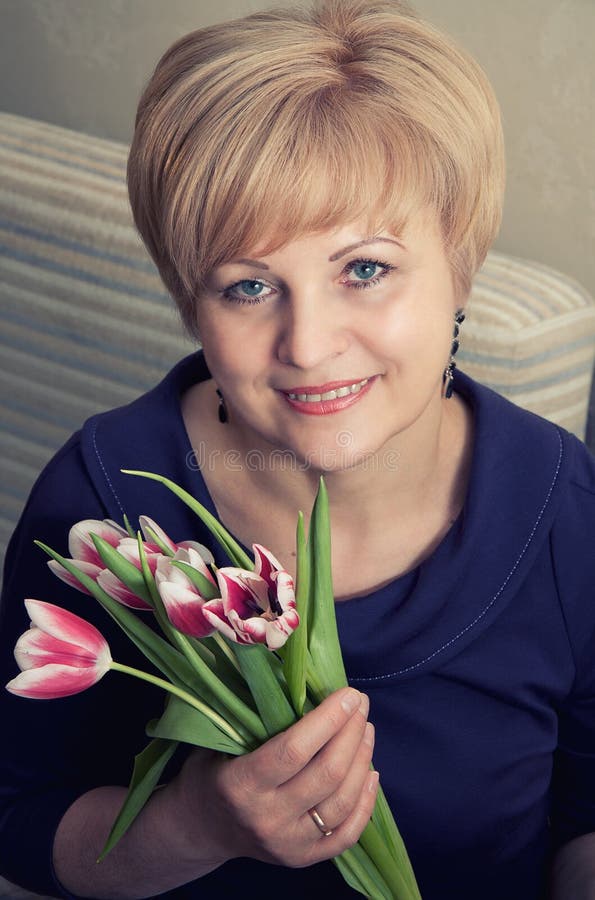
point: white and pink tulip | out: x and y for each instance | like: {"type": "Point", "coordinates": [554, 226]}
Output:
{"type": "Point", "coordinates": [83, 552]}
{"type": "Point", "coordinates": [85, 557]}
{"type": "Point", "coordinates": [59, 655]}
{"type": "Point", "coordinates": [255, 608]}
{"type": "Point", "coordinates": [181, 599]}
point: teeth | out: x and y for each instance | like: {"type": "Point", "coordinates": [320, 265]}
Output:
{"type": "Point", "coordinates": [330, 395]}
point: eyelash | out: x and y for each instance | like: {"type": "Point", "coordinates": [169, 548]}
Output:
{"type": "Point", "coordinates": [369, 282]}
{"type": "Point", "coordinates": [228, 292]}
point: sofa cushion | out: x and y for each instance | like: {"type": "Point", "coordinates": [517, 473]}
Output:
{"type": "Point", "coordinates": [530, 335]}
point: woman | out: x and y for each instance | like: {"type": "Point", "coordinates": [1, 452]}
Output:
{"type": "Point", "coordinates": [317, 190]}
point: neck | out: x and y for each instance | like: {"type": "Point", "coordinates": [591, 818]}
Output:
{"type": "Point", "coordinates": [423, 467]}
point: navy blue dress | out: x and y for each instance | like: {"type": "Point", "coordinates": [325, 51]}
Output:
{"type": "Point", "coordinates": [479, 664]}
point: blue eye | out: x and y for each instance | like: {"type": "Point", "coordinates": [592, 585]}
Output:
{"type": "Point", "coordinates": [363, 273]}
{"type": "Point", "coordinates": [251, 288]}
{"type": "Point", "coordinates": [248, 290]}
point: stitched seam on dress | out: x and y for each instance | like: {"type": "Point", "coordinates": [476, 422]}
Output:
{"type": "Point", "coordinates": [103, 469]}
{"type": "Point", "coordinates": [494, 598]}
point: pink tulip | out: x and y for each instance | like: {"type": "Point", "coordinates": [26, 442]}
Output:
{"type": "Point", "coordinates": [252, 609]}
{"type": "Point", "coordinates": [265, 564]}
{"type": "Point", "coordinates": [148, 525]}
{"type": "Point", "coordinates": [59, 655]}
{"type": "Point", "coordinates": [80, 542]}
{"type": "Point", "coordinates": [83, 552]}
{"type": "Point", "coordinates": [116, 589]}
{"type": "Point", "coordinates": [86, 558]}
{"type": "Point", "coordinates": [181, 599]}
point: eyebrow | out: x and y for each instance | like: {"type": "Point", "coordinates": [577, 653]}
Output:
{"type": "Point", "coordinates": [334, 257]}
{"type": "Point", "coordinates": [251, 262]}
{"type": "Point", "coordinates": [372, 240]}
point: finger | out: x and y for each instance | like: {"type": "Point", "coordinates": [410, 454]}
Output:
{"type": "Point", "coordinates": [348, 833]}
{"type": "Point", "coordinates": [338, 807]}
{"type": "Point", "coordinates": [329, 768]}
{"type": "Point", "coordinates": [286, 754]}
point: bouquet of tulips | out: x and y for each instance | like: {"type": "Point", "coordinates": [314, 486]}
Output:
{"type": "Point", "coordinates": [236, 667]}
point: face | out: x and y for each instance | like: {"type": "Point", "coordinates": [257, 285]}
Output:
{"type": "Point", "coordinates": [333, 347]}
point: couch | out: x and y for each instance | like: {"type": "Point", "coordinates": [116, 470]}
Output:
{"type": "Point", "coordinates": [85, 323]}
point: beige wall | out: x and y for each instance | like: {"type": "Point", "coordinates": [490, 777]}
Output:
{"type": "Point", "coordinates": [82, 63]}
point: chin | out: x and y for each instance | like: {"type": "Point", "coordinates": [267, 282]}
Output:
{"type": "Point", "coordinates": [348, 458]}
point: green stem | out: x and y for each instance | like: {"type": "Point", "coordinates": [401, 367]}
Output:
{"type": "Point", "coordinates": [226, 650]}
{"type": "Point", "coordinates": [247, 720]}
{"type": "Point", "coordinates": [362, 869]}
{"type": "Point", "coordinates": [377, 850]}
{"type": "Point", "coordinates": [218, 720]}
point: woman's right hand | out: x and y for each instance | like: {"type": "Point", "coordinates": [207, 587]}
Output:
{"type": "Point", "coordinates": [258, 805]}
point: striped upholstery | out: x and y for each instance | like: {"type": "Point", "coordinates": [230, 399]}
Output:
{"type": "Point", "coordinates": [530, 334]}
{"type": "Point", "coordinates": [85, 323]}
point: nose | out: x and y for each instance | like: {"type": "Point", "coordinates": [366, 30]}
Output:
{"type": "Point", "coordinates": [312, 331]}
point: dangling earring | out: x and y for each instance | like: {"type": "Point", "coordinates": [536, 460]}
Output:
{"type": "Point", "coordinates": [448, 376]}
{"type": "Point", "coordinates": [222, 410]}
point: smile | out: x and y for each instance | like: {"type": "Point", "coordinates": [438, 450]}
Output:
{"type": "Point", "coordinates": [344, 391]}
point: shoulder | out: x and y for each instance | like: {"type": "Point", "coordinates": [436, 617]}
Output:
{"type": "Point", "coordinates": [147, 435]}
{"type": "Point", "coordinates": [531, 465]}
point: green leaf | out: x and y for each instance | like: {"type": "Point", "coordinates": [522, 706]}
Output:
{"type": "Point", "coordinates": [361, 874]}
{"type": "Point", "coordinates": [152, 536]}
{"type": "Point", "coordinates": [122, 568]}
{"type": "Point", "coordinates": [236, 554]}
{"type": "Point", "coordinates": [383, 819]}
{"type": "Point", "coordinates": [295, 653]}
{"type": "Point", "coordinates": [205, 588]}
{"type": "Point", "coordinates": [396, 872]}
{"type": "Point", "coordinates": [323, 638]}
{"type": "Point", "coordinates": [207, 684]}
{"type": "Point", "coordinates": [129, 527]}
{"type": "Point", "coordinates": [256, 663]}
{"type": "Point", "coordinates": [148, 767]}
{"type": "Point", "coordinates": [181, 722]}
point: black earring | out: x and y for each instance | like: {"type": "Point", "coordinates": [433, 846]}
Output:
{"type": "Point", "coordinates": [448, 376]}
{"type": "Point", "coordinates": [222, 410]}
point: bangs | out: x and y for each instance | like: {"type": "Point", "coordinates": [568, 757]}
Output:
{"type": "Point", "coordinates": [305, 170]}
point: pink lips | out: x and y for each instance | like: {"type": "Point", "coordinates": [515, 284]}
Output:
{"type": "Point", "coordinates": [325, 407]}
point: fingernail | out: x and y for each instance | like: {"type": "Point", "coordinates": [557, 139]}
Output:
{"type": "Point", "coordinates": [369, 734]}
{"type": "Point", "coordinates": [364, 705]}
{"type": "Point", "coordinates": [350, 700]}
{"type": "Point", "coordinates": [373, 779]}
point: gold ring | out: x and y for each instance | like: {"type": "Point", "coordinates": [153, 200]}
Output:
{"type": "Point", "coordinates": [320, 823]}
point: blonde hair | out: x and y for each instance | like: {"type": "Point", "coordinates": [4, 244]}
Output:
{"type": "Point", "coordinates": [292, 121]}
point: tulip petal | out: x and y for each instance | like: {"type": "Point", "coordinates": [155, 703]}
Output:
{"type": "Point", "coordinates": [214, 613]}
{"type": "Point", "coordinates": [112, 585]}
{"type": "Point", "coordinates": [53, 681]}
{"type": "Point", "coordinates": [128, 548]}
{"type": "Point", "coordinates": [65, 626]}
{"type": "Point", "coordinates": [195, 558]}
{"type": "Point", "coordinates": [89, 568]}
{"type": "Point", "coordinates": [184, 608]}
{"type": "Point", "coordinates": [204, 552]}
{"type": "Point", "coordinates": [252, 630]}
{"type": "Point", "coordinates": [80, 543]}
{"type": "Point", "coordinates": [265, 564]}
{"type": "Point", "coordinates": [285, 592]}
{"type": "Point", "coordinates": [243, 591]}
{"type": "Point", "coordinates": [280, 629]}
{"type": "Point", "coordinates": [147, 525]}
{"type": "Point", "coordinates": [37, 648]}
